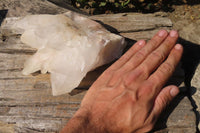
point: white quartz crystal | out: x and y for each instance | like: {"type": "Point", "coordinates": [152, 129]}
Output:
{"type": "Point", "coordinates": [68, 46]}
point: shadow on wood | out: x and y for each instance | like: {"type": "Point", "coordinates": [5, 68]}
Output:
{"type": "Point", "coordinates": [190, 59]}
{"type": "Point", "coordinates": [2, 15]}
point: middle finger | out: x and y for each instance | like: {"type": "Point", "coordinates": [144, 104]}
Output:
{"type": "Point", "coordinates": [155, 58]}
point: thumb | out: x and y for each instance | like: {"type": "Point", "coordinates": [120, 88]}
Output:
{"type": "Point", "coordinates": [164, 98]}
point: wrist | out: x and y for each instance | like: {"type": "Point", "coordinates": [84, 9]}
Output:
{"type": "Point", "coordinates": [82, 122]}
{"type": "Point", "coordinates": [77, 124]}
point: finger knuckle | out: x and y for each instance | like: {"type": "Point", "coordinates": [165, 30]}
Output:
{"type": "Point", "coordinates": [158, 55]}
{"type": "Point", "coordinates": [167, 68]}
{"type": "Point", "coordinates": [129, 65]}
{"type": "Point", "coordinates": [132, 77]}
{"type": "Point", "coordinates": [124, 57]}
{"type": "Point", "coordinates": [108, 72]}
{"type": "Point", "coordinates": [143, 71]}
{"type": "Point", "coordinates": [115, 78]}
{"type": "Point", "coordinates": [118, 74]}
{"type": "Point", "coordinates": [140, 54]}
{"type": "Point", "coordinates": [169, 41]}
{"type": "Point", "coordinates": [128, 79]}
{"type": "Point", "coordinates": [154, 42]}
{"type": "Point", "coordinates": [156, 79]}
{"type": "Point", "coordinates": [146, 89]}
{"type": "Point", "coordinates": [130, 96]}
{"type": "Point", "coordinates": [162, 102]}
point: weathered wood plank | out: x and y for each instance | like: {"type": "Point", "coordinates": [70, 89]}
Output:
{"type": "Point", "coordinates": [132, 25]}
{"type": "Point", "coordinates": [26, 102]}
{"type": "Point", "coordinates": [6, 128]}
{"type": "Point", "coordinates": [133, 22]}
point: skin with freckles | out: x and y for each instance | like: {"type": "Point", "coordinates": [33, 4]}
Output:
{"type": "Point", "coordinates": [129, 96]}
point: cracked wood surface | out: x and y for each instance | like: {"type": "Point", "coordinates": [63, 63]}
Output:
{"type": "Point", "coordinates": [26, 102]}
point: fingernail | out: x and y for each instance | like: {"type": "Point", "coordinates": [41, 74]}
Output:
{"type": "Point", "coordinates": [178, 46]}
{"type": "Point", "coordinates": [174, 91]}
{"type": "Point", "coordinates": [173, 33]}
{"type": "Point", "coordinates": [162, 33]}
{"type": "Point", "coordinates": [141, 42]}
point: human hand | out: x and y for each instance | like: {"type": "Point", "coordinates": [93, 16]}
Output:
{"type": "Point", "coordinates": [129, 96]}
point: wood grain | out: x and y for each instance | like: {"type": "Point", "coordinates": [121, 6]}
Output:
{"type": "Point", "coordinates": [26, 102]}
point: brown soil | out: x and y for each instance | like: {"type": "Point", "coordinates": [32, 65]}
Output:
{"type": "Point", "coordinates": [185, 12]}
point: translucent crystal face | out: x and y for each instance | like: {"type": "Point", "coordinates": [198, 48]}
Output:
{"type": "Point", "coordinates": [68, 46]}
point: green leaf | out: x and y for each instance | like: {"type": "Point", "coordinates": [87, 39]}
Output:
{"type": "Point", "coordinates": [117, 4]}
{"type": "Point", "coordinates": [126, 3]}
{"type": "Point", "coordinates": [122, 4]}
{"type": "Point", "coordinates": [102, 4]}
